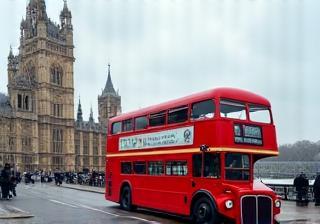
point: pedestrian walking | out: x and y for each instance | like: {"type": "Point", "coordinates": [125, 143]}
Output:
{"type": "Point", "coordinates": [58, 177]}
{"type": "Point", "coordinates": [5, 181]}
{"type": "Point", "coordinates": [316, 189]}
{"type": "Point", "coordinates": [13, 184]}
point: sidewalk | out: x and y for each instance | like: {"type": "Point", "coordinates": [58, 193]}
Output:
{"type": "Point", "coordinates": [290, 213]}
{"type": "Point", "coordinates": [87, 188]}
{"type": "Point", "coordinates": [11, 212]}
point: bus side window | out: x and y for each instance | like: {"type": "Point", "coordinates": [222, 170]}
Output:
{"type": "Point", "coordinates": [211, 165]}
{"type": "Point", "coordinates": [139, 167]}
{"type": "Point", "coordinates": [176, 168]}
{"type": "Point", "coordinates": [157, 119]}
{"type": "Point", "coordinates": [126, 168]}
{"type": "Point", "coordinates": [127, 125]}
{"type": "Point", "coordinates": [203, 109]}
{"type": "Point", "coordinates": [141, 123]}
{"type": "Point", "coordinates": [155, 168]}
{"type": "Point", "coordinates": [197, 165]}
{"type": "Point", "coordinates": [178, 115]}
{"type": "Point", "coordinates": [116, 128]}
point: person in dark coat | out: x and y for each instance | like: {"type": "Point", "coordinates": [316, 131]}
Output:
{"type": "Point", "coordinates": [5, 177]}
{"type": "Point", "coordinates": [13, 184]}
{"type": "Point", "coordinates": [301, 183]}
{"type": "Point", "coordinates": [58, 177]}
{"type": "Point", "coordinates": [316, 189]}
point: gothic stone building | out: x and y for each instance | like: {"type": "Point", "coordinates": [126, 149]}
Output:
{"type": "Point", "coordinates": [37, 126]}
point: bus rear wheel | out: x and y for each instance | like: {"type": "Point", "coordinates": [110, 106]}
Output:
{"type": "Point", "coordinates": [126, 199]}
{"type": "Point", "coordinates": [203, 211]}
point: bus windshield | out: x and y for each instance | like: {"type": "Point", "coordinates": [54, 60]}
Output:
{"type": "Point", "coordinates": [232, 109]}
{"type": "Point", "coordinates": [237, 166]}
{"type": "Point", "coordinates": [259, 114]}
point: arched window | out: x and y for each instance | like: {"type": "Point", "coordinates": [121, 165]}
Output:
{"type": "Point", "coordinates": [30, 71]}
{"type": "Point", "coordinates": [24, 102]}
{"type": "Point", "coordinates": [56, 75]}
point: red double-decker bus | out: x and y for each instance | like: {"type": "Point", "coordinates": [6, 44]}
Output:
{"type": "Point", "coordinates": [194, 156]}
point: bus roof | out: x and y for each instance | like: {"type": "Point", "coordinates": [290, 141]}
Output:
{"type": "Point", "coordinates": [223, 92]}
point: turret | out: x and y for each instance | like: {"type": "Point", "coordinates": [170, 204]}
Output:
{"type": "Point", "coordinates": [36, 17]}
{"type": "Point", "coordinates": [109, 102]}
{"type": "Point", "coordinates": [91, 119]}
{"type": "Point", "coordinates": [66, 24]}
{"type": "Point", "coordinates": [12, 65]}
{"type": "Point", "coordinates": [79, 113]}
{"type": "Point", "coordinates": [65, 17]}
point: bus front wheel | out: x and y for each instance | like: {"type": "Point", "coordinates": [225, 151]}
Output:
{"type": "Point", "coordinates": [204, 212]}
{"type": "Point", "coordinates": [125, 199]}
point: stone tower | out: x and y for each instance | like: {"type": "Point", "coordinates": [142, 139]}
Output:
{"type": "Point", "coordinates": [41, 83]}
{"type": "Point", "coordinates": [109, 102]}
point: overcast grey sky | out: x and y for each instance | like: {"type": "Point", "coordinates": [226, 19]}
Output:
{"type": "Point", "coordinates": [165, 49]}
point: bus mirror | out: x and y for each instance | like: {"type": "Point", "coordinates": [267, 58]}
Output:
{"type": "Point", "coordinates": [204, 148]}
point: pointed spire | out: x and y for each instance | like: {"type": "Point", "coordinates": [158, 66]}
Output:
{"type": "Point", "coordinates": [39, 8]}
{"type": "Point", "coordinates": [79, 113]}
{"type": "Point", "coordinates": [65, 16]}
{"type": "Point", "coordinates": [65, 9]}
{"type": "Point", "coordinates": [108, 89]}
{"type": "Point", "coordinates": [10, 53]}
{"type": "Point", "coordinates": [91, 119]}
{"type": "Point", "coordinates": [65, 6]}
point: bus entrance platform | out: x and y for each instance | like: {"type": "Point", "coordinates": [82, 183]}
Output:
{"type": "Point", "coordinates": [291, 213]}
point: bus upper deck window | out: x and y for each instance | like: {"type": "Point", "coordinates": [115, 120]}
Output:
{"type": "Point", "coordinates": [203, 109]}
{"type": "Point", "coordinates": [259, 114]}
{"type": "Point", "coordinates": [141, 123]}
{"type": "Point", "coordinates": [157, 119]}
{"type": "Point", "coordinates": [178, 115]}
{"type": "Point", "coordinates": [127, 125]}
{"type": "Point", "coordinates": [116, 128]}
{"type": "Point", "coordinates": [232, 109]}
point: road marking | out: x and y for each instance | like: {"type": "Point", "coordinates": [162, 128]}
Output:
{"type": "Point", "coordinates": [3, 210]}
{"type": "Point", "coordinates": [116, 215]}
{"type": "Point", "coordinates": [98, 210]}
{"type": "Point", "coordinates": [18, 209]}
{"type": "Point", "coordinates": [62, 203]}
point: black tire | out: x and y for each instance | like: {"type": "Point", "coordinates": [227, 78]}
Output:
{"type": "Point", "coordinates": [126, 199]}
{"type": "Point", "coordinates": [204, 212]}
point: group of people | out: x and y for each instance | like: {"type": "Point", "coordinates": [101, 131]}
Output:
{"type": "Point", "coordinates": [8, 182]}
{"type": "Point", "coordinates": [301, 184]}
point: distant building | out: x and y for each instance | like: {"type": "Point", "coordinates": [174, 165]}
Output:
{"type": "Point", "coordinates": [38, 129]}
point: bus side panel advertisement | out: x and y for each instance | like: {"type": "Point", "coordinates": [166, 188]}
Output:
{"type": "Point", "coordinates": [173, 137]}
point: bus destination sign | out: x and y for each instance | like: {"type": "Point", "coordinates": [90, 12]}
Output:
{"type": "Point", "coordinates": [172, 137]}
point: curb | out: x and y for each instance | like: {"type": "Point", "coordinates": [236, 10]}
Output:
{"type": "Point", "coordinates": [293, 221]}
{"type": "Point", "coordinates": [79, 189]}
{"type": "Point", "coordinates": [16, 216]}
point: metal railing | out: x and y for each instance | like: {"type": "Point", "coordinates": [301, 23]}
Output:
{"type": "Point", "coordinates": [288, 191]}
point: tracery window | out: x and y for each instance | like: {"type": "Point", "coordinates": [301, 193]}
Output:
{"type": "Point", "coordinates": [24, 102]}
{"type": "Point", "coordinates": [57, 140]}
{"type": "Point", "coordinates": [56, 75]}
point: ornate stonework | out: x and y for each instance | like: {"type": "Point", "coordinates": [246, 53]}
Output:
{"type": "Point", "coordinates": [38, 129]}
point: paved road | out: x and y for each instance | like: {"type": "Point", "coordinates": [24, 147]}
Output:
{"type": "Point", "coordinates": [52, 205]}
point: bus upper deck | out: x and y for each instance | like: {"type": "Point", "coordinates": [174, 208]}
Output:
{"type": "Point", "coordinates": [223, 119]}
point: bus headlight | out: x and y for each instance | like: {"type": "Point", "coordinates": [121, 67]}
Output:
{"type": "Point", "coordinates": [229, 204]}
{"type": "Point", "coordinates": [277, 203]}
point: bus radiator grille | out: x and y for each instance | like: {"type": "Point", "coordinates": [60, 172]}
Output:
{"type": "Point", "coordinates": [256, 209]}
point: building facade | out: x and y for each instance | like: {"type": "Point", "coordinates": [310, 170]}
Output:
{"type": "Point", "coordinates": [38, 129]}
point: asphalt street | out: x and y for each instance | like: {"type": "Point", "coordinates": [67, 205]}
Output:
{"type": "Point", "coordinates": [49, 204]}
